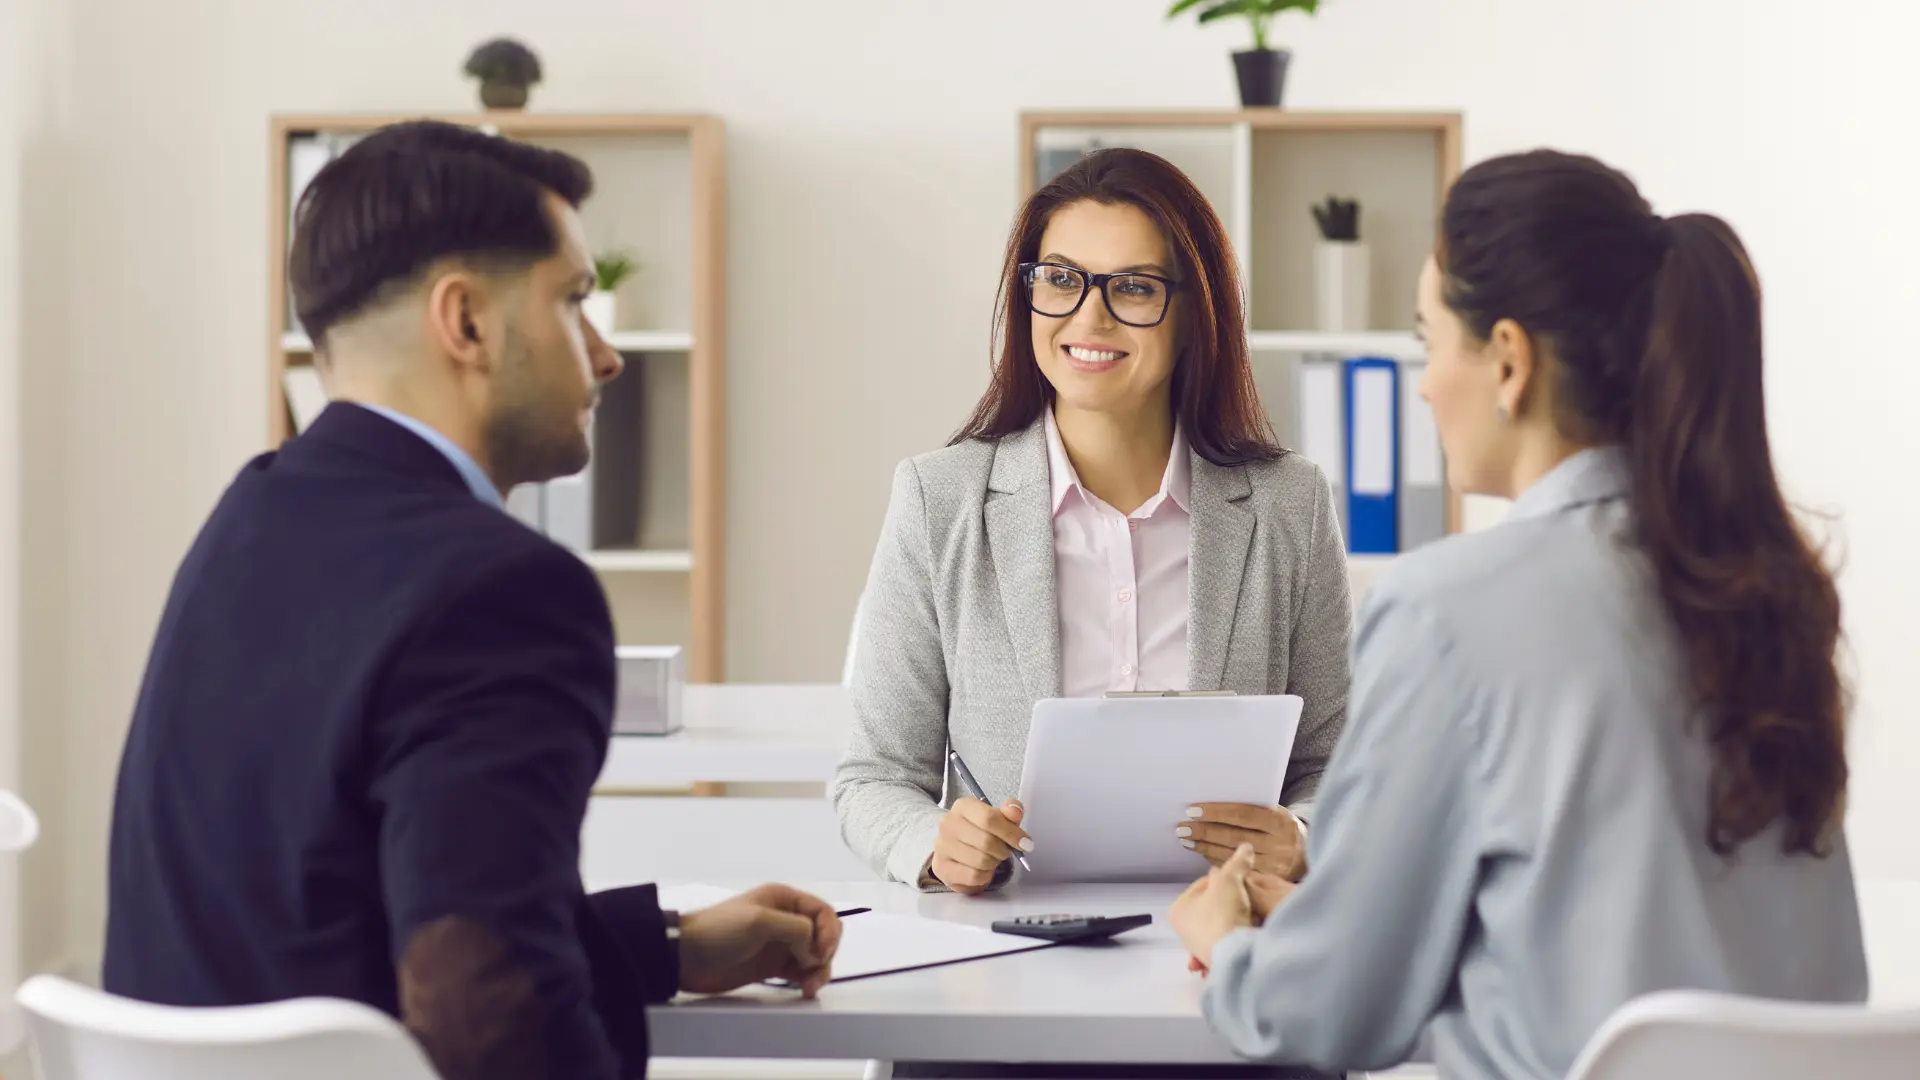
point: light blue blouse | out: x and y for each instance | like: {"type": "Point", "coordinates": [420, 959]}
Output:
{"type": "Point", "coordinates": [1510, 840]}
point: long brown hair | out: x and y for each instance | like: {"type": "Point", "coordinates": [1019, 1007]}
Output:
{"type": "Point", "coordinates": [1654, 327]}
{"type": "Point", "coordinates": [1213, 392]}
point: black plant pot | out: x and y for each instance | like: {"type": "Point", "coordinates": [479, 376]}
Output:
{"type": "Point", "coordinates": [1263, 76]}
{"type": "Point", "coordinates": [497, 94]}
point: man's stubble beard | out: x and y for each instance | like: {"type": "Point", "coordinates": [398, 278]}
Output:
{"type": "Point", "coordinates": [529, 440]}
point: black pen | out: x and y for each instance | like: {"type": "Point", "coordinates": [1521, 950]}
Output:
{"type": "Point", "coordinates": [852, 911]}
{"type": "Point", "coordinates": [973, 788]}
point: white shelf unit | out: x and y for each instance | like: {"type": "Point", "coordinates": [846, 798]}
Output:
{"type": "Point", "coordinates": [639, 562]}
{"type": "Point", "coordinates": [1393, 344]}
{"type": "Point", "coordinates": [626, 341]}
{"type": "Point", "coordinates": [1263, 169]}
{"type": "Point", "coordinates": [649, 513]}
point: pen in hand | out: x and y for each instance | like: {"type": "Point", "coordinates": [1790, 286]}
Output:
{"type": "Point", "coordinates": [973, 789]}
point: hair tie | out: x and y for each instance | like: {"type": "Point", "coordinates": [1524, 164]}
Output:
{"type": "Point", "coordinates": [1663, 232]}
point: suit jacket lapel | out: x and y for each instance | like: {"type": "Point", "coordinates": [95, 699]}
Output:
{"type": "Point", "coordinates": [1019, 515]}
{"type": "Point", "coordinates": [1222, 526]}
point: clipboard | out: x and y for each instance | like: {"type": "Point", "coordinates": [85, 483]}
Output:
{"type": "Point", "coordinates": [1107, 780]}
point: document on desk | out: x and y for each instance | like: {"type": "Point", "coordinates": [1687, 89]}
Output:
{"type": "Point", "coordinates": [1108, 780]}
{"type": "Point", "coordinates": [877, 943]}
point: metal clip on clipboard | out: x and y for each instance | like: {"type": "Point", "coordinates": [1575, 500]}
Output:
{"type": "Point", "coordinates": [1169, 693]}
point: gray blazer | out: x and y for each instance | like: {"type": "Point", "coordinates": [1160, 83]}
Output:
{"type": "Point", "coordinates": [959, 631]}
{"type": "Point", "coordinates": [1512, 836]}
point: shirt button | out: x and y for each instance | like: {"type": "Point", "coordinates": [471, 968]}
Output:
{"type": "Point", "coordinates": [1126, 669]}
{"type": "Point", "coordinates": [1126, 595]}
{"type": "Point", "coordinates": [1132, 525]}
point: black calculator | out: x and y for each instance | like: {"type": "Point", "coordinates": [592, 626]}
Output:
{"type": "Point", "coordinates": [1062, 929]}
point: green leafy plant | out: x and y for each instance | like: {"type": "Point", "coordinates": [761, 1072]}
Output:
{"type": "Point", "coordinates": [1259, 13]}
{"type": "Point", "coordinates": [1339, 219]}
{"type": "Point", "coordinates": [612, 268]}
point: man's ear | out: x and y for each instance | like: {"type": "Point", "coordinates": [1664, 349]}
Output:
{"type": "Point", "coordinates": [1516, 362]}
{"type": "Point", "coordinates": [458, 317]}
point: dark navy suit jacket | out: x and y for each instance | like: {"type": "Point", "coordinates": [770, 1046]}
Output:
{"type": "Point", "coordinates": [359, 764]}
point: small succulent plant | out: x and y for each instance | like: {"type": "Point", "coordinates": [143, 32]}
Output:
{"type": "Point", "coordinates": [1339, 219]}
{"type": "Point", "coordinates": [612, 268]}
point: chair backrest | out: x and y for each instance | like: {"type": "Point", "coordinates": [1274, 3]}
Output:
{"type": "Point", "coordinates": [79, 1033]}
{"type": "Point", "coordinates": [1685, 1035]}
{"type": "Point", "coordinates": [19, 826]}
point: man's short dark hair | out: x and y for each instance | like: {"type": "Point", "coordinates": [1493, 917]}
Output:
{"type": "Point", "coordinates": [413, 194]}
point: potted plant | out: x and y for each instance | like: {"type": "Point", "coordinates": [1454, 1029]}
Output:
{"type": "Point", "coordinates": [609, 270]}
{"type": "Point", "coordinates": [505, 69]}
{"type": "Point", "coordinates": [1262, 71]}
{"type": "Point", "coordinates": [1341, 274]}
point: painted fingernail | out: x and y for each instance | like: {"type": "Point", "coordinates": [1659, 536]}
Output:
{"type": "Point", "coordinates": [1026, 844]}
{"type": "Point", "coordinates": [1188, 844]}
{"type": "Point", "coordinates": [1183, 831]}
{"type": "Point", "coordinates": [1195, 812]}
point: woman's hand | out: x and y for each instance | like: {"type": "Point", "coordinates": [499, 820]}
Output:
{"type": "Point", "coordinates": [1266, 892]}
{"type": "Point", "coordinates": [1214, 907]}
{"type": "Point", "coordinates": [1216, 829]}
{"type": "Point", "coordinates": [974, 840]}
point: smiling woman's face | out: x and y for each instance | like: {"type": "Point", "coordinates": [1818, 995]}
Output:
{"type": "Point", "coordinates": [1095, 362]}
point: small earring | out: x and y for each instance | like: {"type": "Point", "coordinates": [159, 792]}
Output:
{"type": "Point", "coordinates": [1505, 413]}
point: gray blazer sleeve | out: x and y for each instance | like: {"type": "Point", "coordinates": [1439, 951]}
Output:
{"type": "Point", "coordinates": [1317, 654]}
{"type": "Point", "coordinates": [888, 786]}
{"type": "Point", "coordinates": [1377, 925]}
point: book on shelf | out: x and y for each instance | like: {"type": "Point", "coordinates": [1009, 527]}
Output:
{"type": "Point", "coordinates": [1362, 420]}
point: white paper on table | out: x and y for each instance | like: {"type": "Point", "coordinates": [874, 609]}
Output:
{"type": "Point", "coordinates": [877, 943]}
{"type": "Point", "coordinates": [690, 897]}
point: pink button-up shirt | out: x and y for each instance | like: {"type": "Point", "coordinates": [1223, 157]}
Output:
{"type": "Point", "coordinates": [1122, 579]}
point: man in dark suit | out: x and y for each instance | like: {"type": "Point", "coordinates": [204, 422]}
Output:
{"type": "Point", "coordinates": [376, 702]}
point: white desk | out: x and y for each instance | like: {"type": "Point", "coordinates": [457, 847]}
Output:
{"type": "Point", "coordinates": [1133, 1000]}
{"type": "Point", "coordinates": [739, 733]}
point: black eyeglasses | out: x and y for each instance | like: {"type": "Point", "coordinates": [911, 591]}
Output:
{"type": "Point", "coordinates": [1057, 291]}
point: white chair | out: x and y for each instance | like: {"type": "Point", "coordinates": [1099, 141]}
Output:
{"type": "Point", "coordinates": [19, 826]}
{"type": "Point", "coordinates": [82, 1034]}
{"type": "Point", "coordinates": [1686, 1035]}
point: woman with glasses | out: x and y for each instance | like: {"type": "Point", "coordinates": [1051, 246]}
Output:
{"type": "Point", "coordinates": [1115, 516]}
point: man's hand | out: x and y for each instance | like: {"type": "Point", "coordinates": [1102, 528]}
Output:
{"type": "Point", "coordinates": [773, 932]}
{"type": "Point", "coordinates": [1216, 829]}
{"type": "Point", "coordinates": [1214, 907]}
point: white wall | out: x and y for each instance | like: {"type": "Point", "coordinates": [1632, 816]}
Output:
{"type": "Point", "coordinates": [33, 595]}
{"type": "Point", "coordinates": [874, 140]}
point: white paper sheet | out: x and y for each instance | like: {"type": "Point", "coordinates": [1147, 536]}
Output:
{"type": "Point", "coordinates": [691, 897]}
{"type": "Point", "coordinates": [875, 943]}
{"type": "Point", "coordinates": [1108, 780]}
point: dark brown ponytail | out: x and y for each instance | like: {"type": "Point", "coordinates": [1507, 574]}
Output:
{"type": "Point", "coordinates": [1654, 327]}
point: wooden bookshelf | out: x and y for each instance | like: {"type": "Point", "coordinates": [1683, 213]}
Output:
{"type": "Point", "coordinates": [1262, 169]}
{"type": "Point", "coordinates": [660, 188]}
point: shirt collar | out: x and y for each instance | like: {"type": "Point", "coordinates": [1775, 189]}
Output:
{"type": "Point", "coordinates": [476, 479]}
{"type": "Point", "coordinates": [1176, 483]}
{"type": "Point", "coordinates": [1592, 475]}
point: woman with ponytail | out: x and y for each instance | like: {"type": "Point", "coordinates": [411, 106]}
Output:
{"type": "Point", "coordinates": [1599, 750]}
